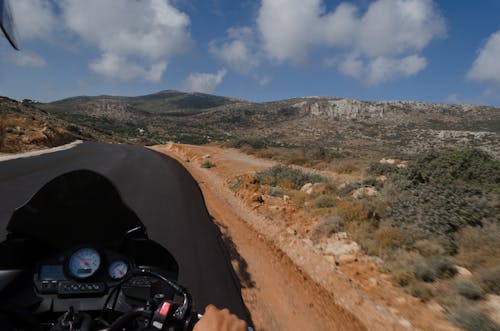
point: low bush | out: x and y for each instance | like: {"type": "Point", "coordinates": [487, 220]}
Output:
{"type": "Point", "coordinates": [326, 227]}
{"type": "Point", "coordinates": [382, 169]}
{"type": "Point", "coordinates": [237, 183]}
{"type": "Point", "coordinates": [373, 182]}
{"type": "Point", "coordinates": [388, 237]}
{"type": "Point", "coordinates": [490, 280]}
{"type": "Point", "coordinates": [428, 247]}
{"type": "Point", "coordinates": [403, 277]}
{"type": "Point", "coordinates": [421, 291]}
{"type": "Point", "coordinates": [469, 289]}
{"type": "Point", "coordinates": [349, 187]}
{"type": "Point", "coordinates": [249, 142]}
{"type": "Point", "coordinates": [442, 266]}
{"type": "Point", "coordinates": [346, 168]}
{"type": "Point", "coordinates": [424, 273]}
{"type": "Point", "coordinates": [207, 165]}
{"type": "Point", "coordinates": [324, 201]}
{"type": "Point", "coordinates": [287, 176]}
{"type": "Point", "coordinates": [352, 211]}
{"type": "Point", "coordinates": [478, 246]}
{"type": "Point", "coordinates": [276, 192]}
{"type": "Point", "coordinates": [472, 319]}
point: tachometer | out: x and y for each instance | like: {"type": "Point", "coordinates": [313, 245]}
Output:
{"type": "Point", "coordinates": [118, 269]}
{"type": "Point", "coordinates": [84, 263]}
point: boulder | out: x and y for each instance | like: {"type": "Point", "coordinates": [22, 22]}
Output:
{"type": "Point", "coordinates": [365, 192]}
{"type": "Point", "coordinates": [307, 188]}
{"type": "Point", "coordinates": [492, 307]}
{"type": "Point", "coordinates": [462, 272]}
{"type": "Point", "coordinates": [339, 247]}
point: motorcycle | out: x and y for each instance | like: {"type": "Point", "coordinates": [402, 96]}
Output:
{"type": "Point", "coordinates": [77, 258]}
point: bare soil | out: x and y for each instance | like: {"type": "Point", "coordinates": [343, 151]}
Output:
{"type": "Point", "coordinates": [287, 285]}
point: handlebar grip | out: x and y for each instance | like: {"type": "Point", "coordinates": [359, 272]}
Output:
{"type": "Point", "coordinates": [200, 316]}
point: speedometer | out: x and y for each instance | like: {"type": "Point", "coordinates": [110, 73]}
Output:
{"type": "Point", "coordinates": [84, 263]}
{"type": "Point", "coordinates": [118, 269]}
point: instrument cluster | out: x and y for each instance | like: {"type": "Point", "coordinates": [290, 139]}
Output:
{"type": "Point", "coordinates": [82, 271]}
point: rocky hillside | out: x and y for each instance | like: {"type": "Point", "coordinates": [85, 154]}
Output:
{"type": "Point", "coordinates": [26, 127]}
{"type": "Point", "coordinates": [334, 123]}
{"type": "Point", "coordinates": [23, 127]}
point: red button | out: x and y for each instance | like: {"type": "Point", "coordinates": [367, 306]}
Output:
{"type": "Point", "coordinates": [165, 308]}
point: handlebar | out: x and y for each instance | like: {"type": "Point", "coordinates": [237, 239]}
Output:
{"type": "Point", "coordinates": [163, 314]}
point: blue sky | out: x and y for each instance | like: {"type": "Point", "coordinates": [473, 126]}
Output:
{"type": "Point", "coordinates": [260, 50]}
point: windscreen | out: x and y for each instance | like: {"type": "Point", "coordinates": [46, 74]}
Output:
{"type": "Point", "coordinates": [7, 23]}
{"type": "Point", "coordinates": [75, 208]}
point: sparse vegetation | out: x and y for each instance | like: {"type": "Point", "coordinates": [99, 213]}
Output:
{"type": "Point", "coordinates": [207, 165]}
{"type": "Point", "coordinates": [472, 319]}
{"type": "Point", "coordinates": [288, 177]}
{"type": "Point", "coordinates": [469, 289]}
{"type": "Point", "coordinates": [490, 280]}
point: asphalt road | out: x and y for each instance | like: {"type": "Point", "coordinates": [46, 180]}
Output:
{"type": "Point", "coordinates": [162, 193]}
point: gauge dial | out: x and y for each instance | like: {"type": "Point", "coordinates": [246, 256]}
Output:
{"type": "Point", "coordinates": [118, 269]}
{"type": "Point", "coordinates": [84, 263]}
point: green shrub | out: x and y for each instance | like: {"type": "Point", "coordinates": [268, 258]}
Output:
{"type": "Point", "coordinates": [373, 182]}
{"type": "Point", "coordinates": [473, 166]}
{"type": "Point", "coordinates": [324, 201]}
{"type": "Point", "coordinates": [276, 192]}
{"type": "Point", "coordinates": [424, 273]}
{"type": "Point", "coordinates": [207, 165]}
{"type": "Point", "coordinates": [254, 143]}
{"type": "Point", "coordinates": [237, 183]}
{"type": "Point", "coordinates": [472, 319]}
{"type": "Point", "coordinates": [327, 226]}
{"type": "Point", "coordinates": [349, 187]}
{"type": "Point", "coordinates": [469, 290]}
{"type": "Point", "coordinates": [382, 169]}
{"type": "Point", "coordinates": [441, 265]}
{"type": "Point", "coordinates": [490, 280]}
{"type": "Point", "coordinates": [297, 178]}
{"type": "Point", "coordinates": [443, 192]}
{"type": "Point", "coordinates": [421, 291]}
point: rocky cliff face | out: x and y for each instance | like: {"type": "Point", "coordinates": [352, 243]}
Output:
{"type": "Point", "coordinates": [355, 109]}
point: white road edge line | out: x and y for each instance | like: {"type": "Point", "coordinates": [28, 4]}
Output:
{"type": "Point", "coordinates": [7, 157]}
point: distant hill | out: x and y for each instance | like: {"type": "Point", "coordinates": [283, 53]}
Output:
{"type": "Point", "coordinates": [400, 127]}
{"type": "Point", "coordinates": [168, 102]}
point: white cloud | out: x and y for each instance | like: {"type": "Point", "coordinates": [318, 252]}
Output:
{"type": "Point", "coordinates": [352, 66]}
{"type": "Point", "coordinates": [136, 38]}
{"type": "Point", "coordinates": [35, 19]}
{"type": "Point", "coordinates": [114, 66]}
{"type": "Point", "coordinates": [204, 82]}
{"type": "Point", "coordinates": [28, 59]}
{"type": "Point", "coordinates": [238, 51]}
{"type": "Point", "coordinates": [376, 44]}
{"type": "Point", "coordinates": [486, 67]}
{"type": "Point", "coordinates": [383, 69]}
{"type": "Point", "coordinates": [454, 99]}
{"type": "Point", "coordinates": [264, 81]}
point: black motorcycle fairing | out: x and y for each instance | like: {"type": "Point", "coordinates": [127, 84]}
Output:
{"type": "Point", "coordinates": [75, 208]}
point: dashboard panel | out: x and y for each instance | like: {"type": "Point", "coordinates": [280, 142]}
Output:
{"type": "Point", "coordinates": [84, 271]}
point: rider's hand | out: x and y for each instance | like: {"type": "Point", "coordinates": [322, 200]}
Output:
{"type": "Point", "coordinates": [219, 320]}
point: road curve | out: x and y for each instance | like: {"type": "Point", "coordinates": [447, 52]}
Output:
{"type": "Point", "coordinates": [162, 193]}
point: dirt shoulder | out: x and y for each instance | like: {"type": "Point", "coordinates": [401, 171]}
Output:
{"type": "Point", "coordinates": [287, 283]}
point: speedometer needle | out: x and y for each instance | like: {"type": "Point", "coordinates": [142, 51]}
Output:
{"type": "Point", "coordinates": [85, 262]}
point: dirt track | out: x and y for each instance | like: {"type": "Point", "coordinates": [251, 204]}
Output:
{"type": "Point", "coordinates": [270, 263]}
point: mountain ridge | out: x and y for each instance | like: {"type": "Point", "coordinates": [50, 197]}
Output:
{"type": "Point", "coordinates": [334, 123]}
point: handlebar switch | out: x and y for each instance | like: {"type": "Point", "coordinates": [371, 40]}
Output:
{"type": "Point", "coordinates": [163, 314]}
